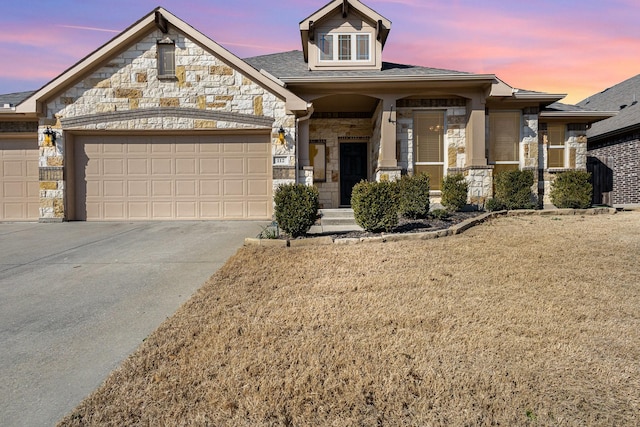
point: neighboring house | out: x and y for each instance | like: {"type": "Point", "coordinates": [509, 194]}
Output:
{"type": "Point", "coordinates": [614, 145]}
{"type": "Point", "coordinates": [164, 123]}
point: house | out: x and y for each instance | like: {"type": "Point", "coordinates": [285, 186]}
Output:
{"type": "Point", "coordinates": [163, 123]}
{"type": "Point", "coordinates": [613, 147]}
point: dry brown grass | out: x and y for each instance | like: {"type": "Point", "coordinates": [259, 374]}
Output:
{"type": "Point", "coordinates": [519, 321]}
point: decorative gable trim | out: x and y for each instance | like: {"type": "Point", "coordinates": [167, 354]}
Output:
{"type": "Point", "coordinates": [160, 18]}
{"type": "Point", "coordinates": [82, 122]}
{"type": "Point", "coordinates": [344, 7]}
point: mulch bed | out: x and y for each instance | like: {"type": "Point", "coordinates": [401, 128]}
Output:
{"type": "Point", "coordinates": [406, 225]}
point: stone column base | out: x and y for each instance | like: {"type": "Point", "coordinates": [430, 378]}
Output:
{"type": "Point", "coordinates": [480, 180]}
{"type": "Point", "coordinates": [306, 175]}
{"type": "Point", "coordinates": [388, 174]}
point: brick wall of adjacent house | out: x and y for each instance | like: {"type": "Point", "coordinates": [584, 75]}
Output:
{"type": "Point", "coordinates": [129, 82]}
{"type": "Point", "coordinates": [624, 155]}
{"type": "Point", "coordinates": [333, 131]}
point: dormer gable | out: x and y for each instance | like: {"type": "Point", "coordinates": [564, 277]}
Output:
{"type": "Point", "coordinates": [344, 35]}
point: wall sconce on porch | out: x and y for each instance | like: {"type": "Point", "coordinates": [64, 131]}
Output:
{"type": "Point", "coordinates": [50, 137]}
{"type": "Point", "coordinates": [281, 135]}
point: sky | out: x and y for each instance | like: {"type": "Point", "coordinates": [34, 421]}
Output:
{"type": "Point", "coordinates": [574, 47]}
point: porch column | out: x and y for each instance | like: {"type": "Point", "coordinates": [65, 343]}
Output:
{"type": "Point", "coordinates": [387, 157]}
{"type": "Point", "coordinates": [303, 143]}
{"type": "Point", "coordinates": [476, 133]}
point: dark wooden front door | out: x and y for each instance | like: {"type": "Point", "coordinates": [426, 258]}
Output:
{"type": "Point", "coordinates": [353, 168]}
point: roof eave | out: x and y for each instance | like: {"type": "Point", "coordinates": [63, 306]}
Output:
{"type": "Point", "coordinates": [478, 78]}
{"type": "Point", "coordinates": [613, 133]}
{"type": "Point", "coordinates": [594, 115]}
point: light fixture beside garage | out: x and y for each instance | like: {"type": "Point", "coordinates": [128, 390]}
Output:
{"type": "Point", "coordinates": [281, 135]}
{"type": "Point", "coordinates": [49, 137]}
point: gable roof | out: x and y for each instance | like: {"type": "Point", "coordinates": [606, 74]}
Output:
{"type": "Point", "coordinates": [623, 98]}
{"type": "Point", "coordinates": [306, 25]}
{"type": "Point", "coordinates": [13, 99]}
{"type": "Point", "coordinates": [160, 18]}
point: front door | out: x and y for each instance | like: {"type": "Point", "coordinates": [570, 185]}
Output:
{"type": "Point", "coordinates": [353, 168]}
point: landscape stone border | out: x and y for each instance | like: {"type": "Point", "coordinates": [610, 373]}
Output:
{"type": "Point", "coordinates": [426, 235]}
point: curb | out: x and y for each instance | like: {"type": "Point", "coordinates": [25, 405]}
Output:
{"type": "Point", "coordinates": [426, 235]}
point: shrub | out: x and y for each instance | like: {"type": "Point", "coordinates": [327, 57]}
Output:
{"type": "Point", "coordinates": [375, 205]}
{"type": "Point", "coordinates": [572, 189]}
{"type": "Point", "coordinates": [441, 214]}
{"type": "Point", "coordinates": [493, 205]}
{"type": "Point", "coordinates": [513, 189]}
{"type": "Point", "coordinates": [414, 196]}
{"type": "Point", "coordinates": [296, 208]}
{"type": "Point", "coordinates": [454, 192]}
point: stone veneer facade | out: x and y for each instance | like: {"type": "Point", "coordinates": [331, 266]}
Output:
{"type": "Point", "coordinates": [575, 143]}
{"type": "Point", "coordinates": [332, 132]}
{"type": "Point", "coordinates": [126, 94]}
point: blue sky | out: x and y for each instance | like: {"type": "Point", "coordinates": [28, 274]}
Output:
{"type": "Point", "coordinates": [561, 46]}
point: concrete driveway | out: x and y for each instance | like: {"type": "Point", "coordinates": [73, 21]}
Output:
{"type": "Point", "coordinates": [77, 298]}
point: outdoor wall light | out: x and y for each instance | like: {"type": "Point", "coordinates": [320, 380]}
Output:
{"type": "Point", "coordinates": [281, 135]}
{"type": "Point", "coordinates": [50, 136]}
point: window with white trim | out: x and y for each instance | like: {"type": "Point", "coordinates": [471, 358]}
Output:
{"type": "Point", "coordinates": [428, 140]}
{"type": "Point", "coordinates": [345, 47]}
{"type": "Point", "coordinates": [556, 145]}
{"type": "Point", "coordinates": [166, 58]}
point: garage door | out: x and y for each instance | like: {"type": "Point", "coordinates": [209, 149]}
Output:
{"type": "Point", "coordinates": [19, 187]}
{"type": "Point", "coordinates": [172, 177]}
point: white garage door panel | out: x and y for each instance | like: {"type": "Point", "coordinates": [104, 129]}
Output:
{"type": "Point", "coordinates": [164, 178]}
{"type": "Point", "coordinates": [19, 186]}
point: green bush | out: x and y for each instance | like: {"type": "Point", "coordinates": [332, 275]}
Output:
{"type": "Point", "coordinates": [513, 189]}
{"type": "Point", "coordinates": [493, 205]}
{"type": "Point", "coordinates": [572, 189]}
{"type": "Point", "coordinates": [375, 205]}
{"type": "Point", "coordinates": [296, 208]}
{"type": "Point", "coordinates": [441, 214]}
{"type": "Point", "coordinates": [414, 196]}
{"type": "Point", "coordinates": [454, 192]}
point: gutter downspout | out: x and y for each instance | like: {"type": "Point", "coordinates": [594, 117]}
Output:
{"type": "Point", "coordinates": [298, 120]}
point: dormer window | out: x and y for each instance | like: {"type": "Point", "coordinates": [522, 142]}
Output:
{"type": "Point", "coordinates": [350, 47]}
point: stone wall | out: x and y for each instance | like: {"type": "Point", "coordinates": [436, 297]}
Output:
{"type": "Point", "coordinates": [332, 132]}
{"type": "Point", "coordinates": [456, 120]}
{"type": "Point", "coordinates": [126, 94]}
{"type": "Point", "coordinates": [576, 155]}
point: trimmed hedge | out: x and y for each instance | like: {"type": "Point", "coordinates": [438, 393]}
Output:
{"type": "Point", "coordinates": [375, 205]}
{"type": "Point", "coordinates": [572, 189]}
{"type": "Point", "coordinates": [414, 196]}
{"type": "Point", "coordinates": [513, 189]}
{"type": "Point", "coordinates": [296, 208]}
{"type": "Point", "coordinates": [454, 192]}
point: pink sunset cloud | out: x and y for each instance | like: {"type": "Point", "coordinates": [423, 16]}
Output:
{"type": "Point", "coordinates": [577, 47]}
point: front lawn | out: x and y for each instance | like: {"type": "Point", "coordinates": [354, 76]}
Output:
{"type": "Point", "coordinates": [519, 321]}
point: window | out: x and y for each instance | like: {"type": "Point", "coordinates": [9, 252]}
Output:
{"type": "Point", "coordinates": [344, 47]}
{"type": "Point", "coordinates": [166, 58]}
{"type": "Point", "coordinates": [555, 145]}
{"type": "Point", "coordinates": [318, 159]}
{"type": "Point", "coordinates": [362, 45]}
{"type": "Point", "coordinates": [326, 47]}
{"type": "Point", "coordinates": [428, 140]}
{"type": "Point", "coordinates": [504, 142]}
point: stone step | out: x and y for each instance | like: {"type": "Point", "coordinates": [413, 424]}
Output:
{"type": "Point", "coordinates": [335, 220]}
{"type": "Point", "coordinates": [336, 213]}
